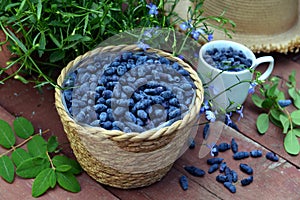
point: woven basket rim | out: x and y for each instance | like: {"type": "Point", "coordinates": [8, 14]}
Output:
{"type": "Point", "coordinates": [117, 135]}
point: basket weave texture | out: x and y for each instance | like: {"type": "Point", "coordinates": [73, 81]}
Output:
{"type": "Point", "coordinates": [128, 160]}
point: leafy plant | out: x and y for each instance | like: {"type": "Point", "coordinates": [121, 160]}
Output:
{"type": "Point", "coordinates": [46, 34]}
{"type": "Point", "coordinates": [41, 161]}
{"type": "Point", "coordinates": [278, 110]}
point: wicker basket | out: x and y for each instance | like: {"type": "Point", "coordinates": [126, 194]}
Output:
{"type": "Point", "coordinates": [127, 160]}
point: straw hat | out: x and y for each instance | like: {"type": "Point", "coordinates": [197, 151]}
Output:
{"type": "Point", "coordinates": [262, 25]}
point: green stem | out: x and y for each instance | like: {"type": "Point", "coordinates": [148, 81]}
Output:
{"type": "Point", "coordinates": [50, 160]}
{"type": "Point", "coordinates": [22, 143]}
{"type": "Point", "coordinates": [229, 88]}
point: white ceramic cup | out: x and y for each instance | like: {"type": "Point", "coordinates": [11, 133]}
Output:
{"type": "Point", "coordinates": [217, 81]}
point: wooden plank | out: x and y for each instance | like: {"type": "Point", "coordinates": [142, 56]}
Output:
{"type": "Point", "coordinates": [21, 189]}
{"type": "Point", "coordinates": [167, 188]}
{"type": "Point", "coordinates": [270, 178]}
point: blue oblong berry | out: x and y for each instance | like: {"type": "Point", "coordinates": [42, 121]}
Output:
{"type": "Point", "coordinates": [246, 168]}
{"type": "Point", "coordinates": [166, 94]}
{"type": "Point", "coordinates": [212, 161]}
{"type": "Point", "coordinates": [256, 153]}
{"type": "Point", "coordinates": [234, 146]}
{"type": "Point", "coordinates": [284, 103]}
{"type": "Point", "coordinates": [241, 155]}
{"type": "Point", "coordinates": [100, 108]}
{"type": "Point", "coordinates": [271, 156]}
{"type": "Point", "coordinates": [175, 113]}
{"type": "Point", "coordinates": [192, 144]}
{"type": "Point", "coordinates": [206, 131]}
{"type": "Point", "coordinates": [223, 165]}
{"type": "Point", "coordinates": [103, 116]}
{"type": "Point", "coordinates": [213, 168]}
{"type": "Point", "coordinates": [106, 125]}
{"type": "Point", "coordinates": [234, 176]}
{"type": "Point", "coordinates": [230, 187]}
{"type": "Point", "coordinates": [195, 171]}
{"type": "Point", "coordinates": [121, 70]}
{"type": "Point", "coordinates": [107, 94]}
{"type": "Point", "coordinates": [247, 181]}
{"type": "Point", "coordinates": [223, 147]}
{"type": "Point", "coordinates": [221, 178]}
{"type": "Point", "coordinates": [184, 182]}
{"type": "Point", "coordinates": [142, 115]}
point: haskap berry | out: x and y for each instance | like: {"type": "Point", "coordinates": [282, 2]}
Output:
{"type": "Point", "coordinates": [227, 59]}
{"type": "Point", "coordinates": [115, 98]}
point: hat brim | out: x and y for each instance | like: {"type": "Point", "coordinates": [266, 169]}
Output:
{"type": "Point", "coordinates": [285, 42]}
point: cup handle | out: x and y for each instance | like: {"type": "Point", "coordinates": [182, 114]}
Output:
{"type": "Point", "coordinates": [265, 59]}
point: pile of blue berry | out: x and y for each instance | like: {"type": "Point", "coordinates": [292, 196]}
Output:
{"type": "Point", "coordinates": [227, 59]}
{"type": "Point", "coordinates": [228, 177]}
{"type": "Point", "coordinates": [130, 91]}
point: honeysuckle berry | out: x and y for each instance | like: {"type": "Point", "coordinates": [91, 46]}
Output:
{"type": "Point", "coordinates": [247, 181]}
{"type": "Point", "coordinates": [272, 156]}
{"type": "Point", "coordinates": [184, 182]}
{"type": "Point", "coordinates": [230, 187]}
{"type": "Point", "coordinates": [284, 103]}
{"type": "Point", "coordinates": [195, 171]}
{"type": "Point", "coordinates": [206, 131]}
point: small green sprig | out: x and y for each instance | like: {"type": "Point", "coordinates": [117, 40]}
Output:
{"type": "Point", "coordinates": [41, 161]}
{"type": "Point", "coordinates": [277, 110]}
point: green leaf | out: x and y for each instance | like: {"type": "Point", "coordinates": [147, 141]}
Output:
{"type": "Point", "coordinates": [275, 113]}
{"type": "Point", "coordinates": [262, 123]}
{"type": "Point", "coordinates": [285, 122]}
{"type": "Point", "coordinates": [267, 103]}
{"type": "Point", "coordinates": [23, 127]}
{"type": "Point", "coordinates": [39, 10]}
{"type": "Point", "coordinates": [292, 92]}
{"type": "Point", "coordinates": [31, 167]}
{"type": "Point", "coordinates": [63, 168]}
{"type": "Point", "coordinates": [42, 44]}
{"type": "Point", "coordinates": [52, 144]}
{"type": "Point", "coordinates": [19, 155]}
{"type": "Point", "coordinates": [56, 56]}
{"type": "Point", "coordinates": [280, 95]}
{"type": "Point", "coordinates": [272, 90]}
{"type": "Point", "coordinates": [275, 122]}
{"type": "Point", "coordinates": [37, 146]}
{"type": "Point", "coordinates": [295, 97]}
{"type": "Point", "coordinates": [63, 160]}
{"type": "Point", "coordinates": [296, 132]}
{"type": "Point", "coordinates": [7, 170]}
{"type": "Point", "coordinates": [74, 37]}
{"type": "Point", "coordinates": [55, 41]}
{"type": "Point", "coordinates": [295, 115]}
{"type": "Point", "coordinates": [257, 100]}
{"type": "Point", "coordinates": [68, 181]}
{"type": "Point", "coordinates": [7, 136]}
{"type": "Point", "coordinates": [292, 78]}
{"type": "Point", "coordinates": [291, 143]}
{"type": "Point", "coordinates": [42, 182]}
